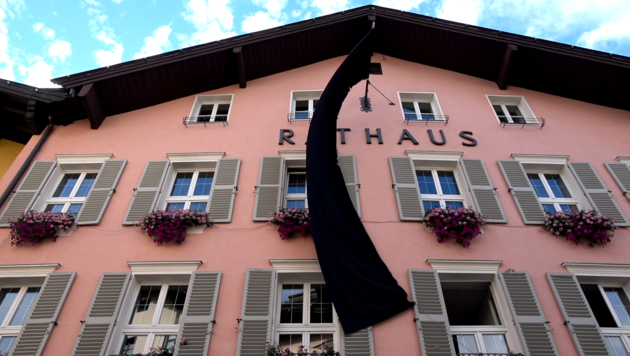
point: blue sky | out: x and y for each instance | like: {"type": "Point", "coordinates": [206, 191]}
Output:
{"type": "Point", "coordinates": [43, 39]}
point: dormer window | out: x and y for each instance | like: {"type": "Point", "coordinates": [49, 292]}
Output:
{"type": "Point", "coordinates": [209, 109]}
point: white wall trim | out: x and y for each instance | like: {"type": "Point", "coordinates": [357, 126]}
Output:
{"type": "Point", "coordinates": [465, 266]}
{"type": "Point", "coordinates": [434, 155]}
{"type": "Point", "coordinates": [296, 266]}
{"type": "Point", "coordinates": [90, 158]}
{"type": "Point", "coordinates": [598, 269]}
{"type": "Point", "coordinates": [195, 156]}
{"type": "Point", "coordinates": [624, 159]}
{"type": "Point", "coordinates": [28, 270]}
{"type": "Point", "coordinates": [544, 159]}
{"type": "Point", "coordinates": [293, 154]}
{"type": "Point", "coordinates": [162, 267]}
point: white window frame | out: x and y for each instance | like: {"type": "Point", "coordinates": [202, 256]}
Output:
{"type": "Point", "coordinates": [552, 199]}
{"type": "Point", "coordinates": [293, 159]}
{"type": "Point", "coordinates": [528, 115]}
{"type": "Point", "coordinates": [299, 95]}
{"type": "Point", "coordinates": [189, 197]}
{"type": "Point", "coordinates": [421, 97]}
{"type": "Point", "coordinates": [305, 272]}
{"type": "Point", "coordinates": [440, 196]}
{"type": "Point", "coordinates": [294, 196]}
{"type": "Point", "coordinates": [215, 99]}
{"type": "Point", "coordinates": [67, 201]}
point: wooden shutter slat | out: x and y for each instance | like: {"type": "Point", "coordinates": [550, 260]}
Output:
{"type": "Point", "coordinates": [528, 315]}
{"type": "Point", "coordinates": [348, 165]}
{"type": "Point", "coordinates": [39, 324]}
{"type": "Point", "coordinates": [482, 190]}
{"type": "Point", "coordinates": [147, 192]}
{"type": "Point", "coordinates": [524, 195]}
{"type": "Point", "coordinates": [101, 316]}
{"type": "Point", "coordinates": [431, 318]}
{"type": "Point", "coordinates": [596, 192]}
{"type": "Point", "coordinates": [223, 191]}
{"type": "Point", "coordinates": [28, 191]}
{"type": "Point", "coordinates": [256, 312]}
{"type": "Point", "coordinates": [577, 314]}
{"type": "Point", "coordinates": [269, 192]}
{"type": "Point", "coordinates": [101, 192]}
{"type": "Point", "coordinates": [407, 189]}
{"type": "Point", "coordinates": [360, 343]}
{"type": "Point", "coordinates": [621, 173]}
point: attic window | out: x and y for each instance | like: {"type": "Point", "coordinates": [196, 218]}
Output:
{"type": "Point", "coordinates": [375, 68]}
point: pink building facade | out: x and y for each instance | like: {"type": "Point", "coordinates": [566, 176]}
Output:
{"type": "Point", "coordinates": [108, 289]}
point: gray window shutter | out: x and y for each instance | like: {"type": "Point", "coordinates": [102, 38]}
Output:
{"type": "Point", "coordinates": [198, 317]}
{"type": "Point", "coordinates": [269, 192]}
{"type": "Point", "coordinates": [578, 317]}
{"type": "Point", "coordinates": [432, 323]}
{"type": "Point", "coordinates": [224, 189]}
{"type": "Point", "coordinates": [482, 190]}
{"type": "Point", "coordinates": [360, 343]}
{"type": "Point", "coordinates": [348, 165]}
{"type": "Point", "coordinates": [101, 316]}
{"type": "Point", "coordinates": [29, 189]}
{"type": "Point", "coordinates": [146, 195]}
{"type": "Point", "coordinates": [256, 312]}
{"type": "Point", "coordinates": [101, 192]}
{"type": "Point", "coordinates": [523, 192]}
{"type": "Point", "coordinates": [528, 315]}
{"type": "Point", "coordinates": [621, 173]}
{"type": "Point", "coordinates": [43, 317]}
{"type": "Point", "coordinates": [596, 192]}
{"type": "Point", "coordinates": [407, 189]}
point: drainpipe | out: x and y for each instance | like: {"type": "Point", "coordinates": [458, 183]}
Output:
{"type": "Point", "coordinates": [26, 163]}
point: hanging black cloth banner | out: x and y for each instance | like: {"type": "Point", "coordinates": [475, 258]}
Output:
{"type": "Point", "coordinates": [362, 288]}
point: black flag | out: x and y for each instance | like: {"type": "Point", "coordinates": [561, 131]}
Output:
{"type": "Point", "coordinates": [361, 286]}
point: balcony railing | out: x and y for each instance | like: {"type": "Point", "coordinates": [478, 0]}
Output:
{"type": "Point", "coordinates": [205, 120]}
{"type": "Point", "coordinates": [525, 121]}
{"type": "Point", "coordinates": [489, 354]}
{"type": "Point", "coordinates": [426, 118]}
{"type": "Point", "coordinates": [300, 116]}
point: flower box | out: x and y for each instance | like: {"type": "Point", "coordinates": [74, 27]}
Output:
{"type": "Point", "coordinates": [290, 221]}
{"type": "Point", "coordinates": [584, 226]}
{"type": "Point", "coordinates": [462, 224]}
{"type": "Point", "coordinates": [166, 226]}
{"type": "Point", "coordinates": [273, 349]}
{"type": "Point", "coordinates": [34, 226]}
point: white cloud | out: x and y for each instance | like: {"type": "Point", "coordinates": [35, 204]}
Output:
{"type": "Point", "coordinates": [38, 26]}
{"type": "Point", "coordinates": [93, 2]}
{"type": "Point", "coordinates": [117, 1]}
{"type": "Point", "coordinates": [213, 20]}
{"type": "Point", "coordinates": [296, 13]}
{"type": "Point", "coordinates": [111, 56]}
{"type": "Point", "coordinates": [404, 5]}
{"type": "Point", "coordinates": [274, 7]}
{"type": "Point", "coordinates": [329, 6]}
{"type": "Point", "coordinates": [59, 50]}
{"type": "Point", "coordinates": [464, 11]}
{"type": "Point", "coordinates": [155, 44]}
{"type": "Point", "coordinates": [608, 35]}
{"type": "Point", "coordinates": [6, 62]}
{"type": "Point", "coordinates": [259, 21]}
{"type": "Point", "coordinates": [38, 75]}
{"type": "Point", "coordinates": [47, 32]}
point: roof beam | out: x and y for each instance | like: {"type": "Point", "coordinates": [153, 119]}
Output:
{"type": "Point", "coordinates": [504, 72]}
{"type": "Point", "coordinates": [240, 66]}
{"type": "Point", "coordinates": [92, 105]}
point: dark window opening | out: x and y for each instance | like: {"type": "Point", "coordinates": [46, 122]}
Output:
{"type": "Point", "coordinates": [598, 306]}
{"type": "Point", "coordinates": [470, 303]}
{"type": "Point", "coordinates": [375, 68]}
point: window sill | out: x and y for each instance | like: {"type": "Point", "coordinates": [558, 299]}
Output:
{"type": "Point", "coordinates": [61, 233]}
{"type": "Point", "coordinates": [196, 230]}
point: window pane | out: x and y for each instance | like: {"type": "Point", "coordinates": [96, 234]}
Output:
{"type": "Point", "coordinates": [301, 105]}
{"type": "Point", "coordinates": [204, 183]}
{"type": "Point", "coordinates": [315, 102]}
{"type": "Point", "coordinates": [429, 204]}
{"type": "Point", "coordinates": [426, 111]}
{"type": "Point", "coordinates": [222, 113]}
{"type": "Point", "coordinates": [495, 343]}
{"type": "Point", "coordinates": [515, 113]}
{"type": "Point", "coordinates": [7, 298]}
{"type": "Point", "coordinates": [557, 186]}
{"type": "Point", "coordinates": [66, 185]}
{"type": "Point", "coordinates": [297, 184]}
{"type": "Point", "coordinates": [182, 184]}
{"type": "Point", "coordinates": [317, 342]}
{"type": "Point", "coordinates": [55, 208]}
{"type": "Point", "coordinates": [447, 183]}
{"type": "Point", "coordinates": [568, 207]}
{"type": "Point", "coordinates": [409, 110]}
{"type": "Point", "coordinates": [75, 208]}
{"type": "Point", "coordinates": [25, 305]}
{"type": "Point", "coordinates": [166, 341]}
{"type": "Point", "coordinates": [321, 304]}
{"type": "Point", "coordinates": [537, 183]}
{"type": "Point", "coordinates": [205, 113]}
{"type": "Point", "coordinates": [175, 206]}
{"type": "Point", "coordinates": [292, 304]}
{"type": "Point", "coordinates": [6, 343]}
{"type": "Point", "coordinates": [499, 111]}
{"type": "Point", "coordinates": [198, 206]}
{"type": "Point", "coordinates": [144, 308]}
{"type": "Point", "coordinates": [301, 204]}
{"type": "Point", "coordinates": [616, 346]}
{"type": "Point", "coordinates": [426, 183]}
{"type": "Point", "coordinates": [133, 344]}
{"type": "Point", "coordinates": [550, 208]}
{"type": "Point", "coordinates": [292, 341]}
{"type": "Point", "coordinates": [454, 204]}
{"type": "Point", "coordinates": [620, 304]}
{"type": "Point", "coordinates": [173, 304]}
{"type": "Point", "coordinates": [465, 344]}
{"type": "Point", "coordinates": [86, 185]}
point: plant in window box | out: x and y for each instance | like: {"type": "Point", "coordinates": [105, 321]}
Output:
{"type": "Point", "coordinates": [291, 220]}
{"type": "Point", "coordinates": [34, 226]}
{"type": "Point", "coordinates": [166, 226]}
{"type": "Point", "coordinates": [462, 224]}
{"type": "Point", "coordinates": [583, 226]}
{"type": "Point", "coordinates": [273, 349]}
